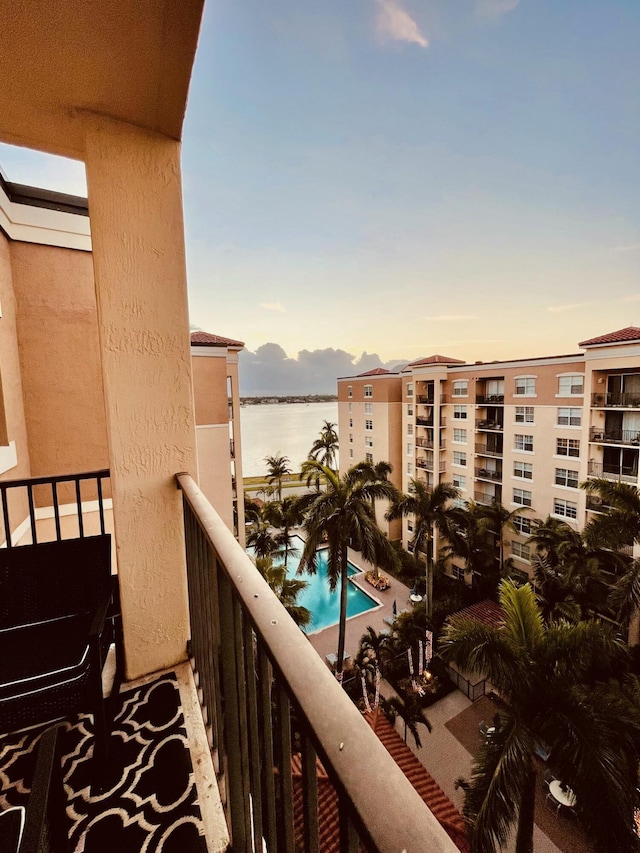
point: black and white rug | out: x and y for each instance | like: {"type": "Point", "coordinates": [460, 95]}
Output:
{"type": "Point", "coordinates": [149, 804]}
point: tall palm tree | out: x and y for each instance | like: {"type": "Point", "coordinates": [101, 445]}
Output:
{"type": "Point", "coordinates": [339, 515]}
{"type": "Point", "coordinates": [278, 469]}
{"type": "Point", "coordinates": [498, 519]}
{"type": "Point", "coordinates": [284, 515]}
{"type": "Point", "coordinates": [559, 685]}
{"type": "Point", "coordinates": [325, 448]}
{"type": "Point", "coordinates": [262, 540]}
{"type": "Point", "coordinates": [620, 525]}
{"type": "Point", "coordinates": [472, 540]}
{"type": "Point", "coordinates": [287, 589]}
{"type": "Point", "coordinates": [432, 511]}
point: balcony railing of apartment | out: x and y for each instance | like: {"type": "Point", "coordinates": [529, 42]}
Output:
{"type": "Point", "coordinates": [484, 498]}
{"type": "Point", "coordinates": [232, 448]}
{"type": "Point", "coordinates": [431, 465]}
{"type": "Point", "coordinates": [492, 426]}
{"type": "Point", "coordinates": [489, 400]}
{"type": "Point", "coordinates": [596, 504]}
{"type": "Point", "coordinates": [265, 689]}
{"type": "Point", "coordinates": [443, 423]}
{"type": "Point", "coordinates": [618, 473]}
{"type": "Point", "coordinates": [422, 421]}
{"type": "Point", "coordinates": [424, 400]}
{"type": "Point", "coordinates": [24, 502]}
{"type": "Point", "coordinates": [615, 436]}
{"type": "Point", "coordinates": [425, 443]}
{"type": "Point", "coordinates": [486, 474]}
{"type": "Point", "coordinates": [620, 400]}
{"type": "Point", "coordinates": [484, 450]}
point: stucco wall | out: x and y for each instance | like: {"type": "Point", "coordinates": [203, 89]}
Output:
{"type": "Point", "coordinates": [210, 388]}
{"type": "Point", "coordinates": [214, 465]}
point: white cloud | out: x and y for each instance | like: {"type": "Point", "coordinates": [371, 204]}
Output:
{"type": "Point", "coordinates": [451, 318]}
{"type": "Point", "coordinates": [395, 24]}
{"type": "Point", "coordinates": [630, 247]}
{"type": "Point", "coordinates": [495, 8]}
{"type": "Point", "coordinates": [556, 309]}
{"type": "Point", "coordinates": [273, 306]}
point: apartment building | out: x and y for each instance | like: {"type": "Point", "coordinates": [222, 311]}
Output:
{"type": "Point", "coordinates": [370, 428]}
{"type": "Point", "coordinates": [524, 432]}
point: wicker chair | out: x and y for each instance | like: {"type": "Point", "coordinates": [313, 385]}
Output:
{"type": "Point", "coordinates": [59, 613]}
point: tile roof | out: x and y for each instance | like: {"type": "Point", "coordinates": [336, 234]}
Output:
{"type": "Point", "coordinates": [434, 797]}
{"type": "Point", "coordinates": [435, 359]}
{"type": "Point", "coordinates": [204, 339]}
{"type": "Point", "coordinates": [629, 333]}
{"type": "Point", "coordinates": [487, 612]}
{"type": "Point", "coordinates": [377, 371]}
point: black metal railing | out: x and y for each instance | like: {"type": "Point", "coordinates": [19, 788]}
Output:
{"type": "Point", "coordinates": [486, 474]}
{"type": "Point", "coordinates": [485, 450]}
{"type": "Point", "coordinates": [425, 401]}
{"type": "Point", "coordinates": [425, 422]}
{"type": "Point", "coordinates": [232, 448]}
{"type": "Point", "coordinates": [628, 400]}
{"type": "Point", "coordinates": [490, 400]}
{"type": "Point", "coordinates": [615, 436]}
{"type": "Point", "coordinates": [484, 498]}
{"type": "Point", "coordinates": [425, 443]}
{"type": "Point", "coordinates": [596, 504]}
{"type": "Point", "coordinates": [471, 691]}
{"type": "Point", "coordinates": [269, 700]}
{"type": "Point", "coordinates": [24, 502]}
{"type": "Point", "coordinates": [619, 473]}
{"type": "Point", "coordinates": [493, 426]}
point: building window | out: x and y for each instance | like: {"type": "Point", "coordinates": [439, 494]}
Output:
{"type": "Point", "coordinates": [351, 453]}
{"type": "Point", "coordinates": [350, 407]}
{"type": "Point", "coordinates": [410, 469]}
{"type": "Point", "coordinates": [525, 386]}
{"type": "Point", "coordinates": [523, 442]}
{"type": "Point", "coordinates": [410, 525]}
{"type": "Point", "coordinates": [460, 435]}
{"type": "Point", "coordinates": [368, 457]}
{"type": "Point", "coordinates": [409, 449]}
{"type": "Point", "coordinates": [522, 524]}
{"type": "Point", "coordinates": [409, 429]}
{"type": "Point", "coordinates": [568, 447]}
{"type": "Point", "coordinates": [350, 423]}
{"type": "Point", "coordinates": [459, 481]}
{"type": "Point", "coordinates": [368, 390]}
{"type": "Point", "coordinates": [522, 497]}
{"type": "Point", "coordinates": [566, 477]}
{"type": "Point", "coordinates": [568, 509]}
{"type": "Point", "coordinates": [523, 552]}
{"type": "Point", "coordinates": [523, 469]}
{"type": "Point", "coordinates": [460, 388]}
{"type": "Point", "coordinates": [524, 414]}
{"type": "Point", "coordinates": [368, 441]}
{"type": "Point", "coordinates": [457, 572]}
{"type": "Point", "coordinates": [570, 385]}
{"type": "Point", "coordinates": [410, 389]}
{"type": "Point", "coordinates": [569, 416]}
{"type": "Point", "coordinates": [459, 458]}
{"type": "Point", "coordinates": [368, 425]}
{"type": "Point", "coordinates": [349, 390]}
{"type": "Point", "coordinates": [351, 438]}
{"type": "Point", "coordinates": [460, 413]}
{"type": "Point", "coordinates": [410, 410]}
{"type": "Point", "coordinates": [368, 408]}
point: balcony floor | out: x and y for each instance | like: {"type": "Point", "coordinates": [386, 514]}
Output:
{"type": "Point", "coordinates": [152, 796]}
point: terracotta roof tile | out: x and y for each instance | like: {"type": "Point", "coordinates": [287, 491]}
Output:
{"type": "Point", "coordinates": [377, 371]}
{"type": "Point", "coordinates": [630, 333]}
{"type": "Point", "coordinates": [435, 359]}
{"type": "Point", "coordinates": [434, 797]}
{"type": "Point", "coordinates": [487, 612]}
{"type": "Point", "coordinates": [206, 340]}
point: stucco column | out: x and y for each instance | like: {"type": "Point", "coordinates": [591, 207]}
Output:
{"type": "Point", "coordinates": [135, 206]}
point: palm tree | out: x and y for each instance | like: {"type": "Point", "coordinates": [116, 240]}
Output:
{"type": "Point", "coordinates": [560, 688]}
{"type": "Point", "coordinates": [498, 519]}
{"type": "Point", "coordinates": [262, 540]}
{"type": "Point", "coordinates": [343, 514]}
{"type": "Point", "coordinates": [284, 515]}
{"type": "Point", "coordinates": [472, 540]}
{"type": "Point", "coordinates": [409, 709]}
{"type": "Point", "coordinates": [624, 598]}
{"type": "Point", "coordinates": [325, 448]}
{"type": "Point", "coordinates": [432, 512]}
{"type": "Point", "coordinates": [278, 468]}
{"type": "Point", "coordinates": [287, 589]}
{"type": "Point", "coordinates": [620, 525]}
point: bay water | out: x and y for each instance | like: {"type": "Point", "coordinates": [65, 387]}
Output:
{"type": "Point", "coordinates": [286, 428]}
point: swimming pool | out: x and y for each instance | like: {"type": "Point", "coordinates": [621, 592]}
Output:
{"type": "Point", "coordinates": [317, 598]}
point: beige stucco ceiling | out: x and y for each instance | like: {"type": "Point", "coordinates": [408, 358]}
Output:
{"type": "Point", "coordinates": [128, 59]}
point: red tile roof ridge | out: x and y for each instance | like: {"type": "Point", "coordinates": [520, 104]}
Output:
{"type": "Point", "coordinates": [435, 359]}
{"type": "Point", "coordinates": [377, 371]}
{"type": "Point", "coordinates": [629, 333]}
{"type": "Point", "coordinates": [208, 340]}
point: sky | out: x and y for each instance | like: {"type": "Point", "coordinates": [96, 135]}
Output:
{"type": "Point", "coordinates": [406, 177]}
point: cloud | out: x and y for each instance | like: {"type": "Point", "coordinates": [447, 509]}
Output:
{"type": "Point", "coordinates": [394, 24]}
{"type": "Point", "coordinates": [635, 297]}
{"type": "Point", "coordinates": [556, 309]}
{"type": "Point", "coordinates": [630, 247]}
{"type": "Point", "coordinates": [451, 318]}
{"type": "Point", "coordinates": [273, 306]}
{"type": "Point", "coordinates": [495, 8]}
{"type": "Point", "coordinates": [270, 371]}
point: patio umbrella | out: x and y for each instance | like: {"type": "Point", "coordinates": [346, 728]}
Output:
{"type": "Point", "coordinates": [394, 608]}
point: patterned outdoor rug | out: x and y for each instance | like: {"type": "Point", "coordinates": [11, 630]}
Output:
{"type": "Point", "coordinates": [149, 802]}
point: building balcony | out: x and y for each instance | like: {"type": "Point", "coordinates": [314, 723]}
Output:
{"type": "Point", "coordinates": [490, 400]}
{"type": "Point", "coordinates": [615, 436]}
{"type": "Point", "coordinates": [431, 465]}
{"type": "Point", "coordinates": [424, 400]}
{"type": "Point", "coordinates": [618, 474]}
{"type": "Point", "coordinates": [484, 498]}
{"type": "Point", "coordinates": [486, 474]}
{"type": "Point", "coordinates": [424, 421]}
{"type": "Point", "coordinates": [623, 400]}
{"type": "Point", "coordinates": [425, 443]}
{"type": "Point", "coordinates": [484, 450]}
{"type": "Point", "coordinates": [489, 426]}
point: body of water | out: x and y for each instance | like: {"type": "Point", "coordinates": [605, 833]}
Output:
{"type": "Point", "coordinates": [286, 428]}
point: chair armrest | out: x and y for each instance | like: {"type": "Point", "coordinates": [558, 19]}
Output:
{"type": "Point", "coordinates": [46, 826]}
{"type": "Point", "coordinates": [102, 611]}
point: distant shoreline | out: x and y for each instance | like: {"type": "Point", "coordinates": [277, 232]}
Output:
{"type": "Point", "coordinates": [297, 398]}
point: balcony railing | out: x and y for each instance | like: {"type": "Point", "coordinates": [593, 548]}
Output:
{"type": "Point", "coordinates": [484, 498]}
{"type": "Point", "coordinates": [623, 400]}
{"type": "Point", "coordinates": [490, 400]}
{"type": "Point", "coordinates": [431, 465]}
{"type": "Point", "coordinates": [617, 473]}
{"type": "Point", "coordinates": [596, 504]}
{"type": "Point", "coordinates": [615, 436]}
{"type": "Point", "coordinates": [425, 443]}
{"type": "Point", "coordinates": [425, 401]}
{"type": "Point", "coordinates": [487, 451]}
{"type": "Point", "coordinates": [486, 474]}
{"type": "Point", "coordinates": [260, 684]}
{"type": "Point", "coordinates": [232, 448]}
{"type": "Point", "coordinates": [491, 426]}
{"type": "Point", "coordinates": [422, 421]}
